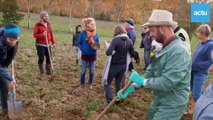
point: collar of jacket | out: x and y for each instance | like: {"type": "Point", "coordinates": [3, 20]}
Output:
{"type": "Point", "coordinates": [2, 41]}
{"type": "Point", "coordinates": [40, 23]}
{"type": "Point", "coordinates": [145, 33]}
{"type": "Point", "coordinates": [174, 41]}
{"type": "Point", "coordinates": [166, 42]}
{"type": "Point", "coordinates": [129, 29]}
{"type": "Point", "coordinates": [176, 29]}
{"type": "Point", "coordinates": [122, 35]}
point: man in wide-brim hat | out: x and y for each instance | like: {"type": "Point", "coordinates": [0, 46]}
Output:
{"type": "Point", "coordinates": [169, 73]}
{"type": "Point", "coordinates": [146, 44]}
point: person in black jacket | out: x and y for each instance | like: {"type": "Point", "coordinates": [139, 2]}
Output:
{"type": "Point", "coordinates": [76, 35]}
{"type": "Point", "coordinates": [120, 46]}
{"type": "Point", "coordinates": [8, 48]}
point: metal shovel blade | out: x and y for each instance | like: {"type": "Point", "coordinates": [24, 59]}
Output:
{"type": "Point", "coordinates": [14, 109]}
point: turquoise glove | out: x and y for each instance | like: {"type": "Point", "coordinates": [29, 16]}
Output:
{"type": "Point", "coordinates": [129, 90]}
{"type": "Point", "coordinates": [136, 78]}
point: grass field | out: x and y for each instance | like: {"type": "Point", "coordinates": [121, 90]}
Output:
{"type": "Point", "coordinates": [58, 98]}
{"type": "Point", "coordinates": [104, 28]}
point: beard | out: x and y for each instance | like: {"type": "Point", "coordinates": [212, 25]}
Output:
{"type": "Point", "coordinates": [160, 37]}
{"type": "Point", "coordinates": [45, 20]}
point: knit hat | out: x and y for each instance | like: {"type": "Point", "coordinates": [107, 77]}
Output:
{"type": "Point", "coordinates": [130, 21]}
{"type": "Point", "coordinates": [43, 13]}
{"type": "Point", "coordinates": [11, 31]}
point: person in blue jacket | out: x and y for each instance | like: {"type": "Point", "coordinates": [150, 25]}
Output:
{"type": "Point", "coordinates": [202, 60]}
{"type": "Point", "coordinates": [204, 105]}
{"type": "Point", "coordinates": [88, 43]}
{"type": "Point", "coordinates": [8, 47]}
{"type": "Point", "coordinates": [129, 26]}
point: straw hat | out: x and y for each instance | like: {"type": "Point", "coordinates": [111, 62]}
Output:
{"type": "Point", "coordinates": [161, 17]}
{"type": "Point", "coordinates": [145, 24]}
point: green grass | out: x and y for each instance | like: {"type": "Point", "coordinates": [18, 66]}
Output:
{"type": "Point", "coordinates": [104, 28]}
{"type": "Point", "coordinates": [92, 104]}
{"type": "Point", "coordinates": [1, 17]}
{"type": "Point", "coordinates": [104, 33]}
{"type": "Point", "coordinates": [32, 91]}
{"type": "Point", "coordinates": [194, 41]}
{"type": "Point", "coordinates": [87, 114]}
{"type": "Point", "coordinates": [55, 95]}
{"type": "Point", "coordinates": [115, 109]}
{"type": "Point", "coordinates": [26, 39]}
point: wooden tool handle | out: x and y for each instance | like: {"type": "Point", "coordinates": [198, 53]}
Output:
{"type": "Point", "coordinates": [14, 88]}
{"type": "Point", "coordinates": [113, 101]}
{"type": "Point", "coordinates": [12, 68]}
{"type": "Point", "coordinates": [13, 76]}
{"type": "Point", "coordinates": [50, 54]}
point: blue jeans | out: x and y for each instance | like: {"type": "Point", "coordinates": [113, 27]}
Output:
{"type": "Point", "coordinates": [4, 95]}
{"type": "Point", "coordinates": [117, 72]}
{"type": "Point", "coordinates": [146, 57]}
{"type": "Point", "coordinates": [198, 80]}
{"type": "Point", "coordinates": [86, 64]}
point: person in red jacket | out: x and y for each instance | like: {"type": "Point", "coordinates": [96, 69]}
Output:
{"type": "Point", "coordinates": [44, 36]}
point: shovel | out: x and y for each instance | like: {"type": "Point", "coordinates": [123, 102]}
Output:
{"type": "Point", "coordinates": [14, 107]}
{"type": "Point", "coordinates": [50, 55]}
{"type": "Point", "coordinates": [113, 101]}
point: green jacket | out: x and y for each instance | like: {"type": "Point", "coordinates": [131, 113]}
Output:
{"type": "Point", "coordinates": [169, 75]}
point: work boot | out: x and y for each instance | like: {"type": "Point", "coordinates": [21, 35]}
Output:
{"type": "Point", "coordinates": [104, 106]}
{"type": "Point", "coordinates": [41, 68]}
{"type": "Point", "coordinates": [49, 69]}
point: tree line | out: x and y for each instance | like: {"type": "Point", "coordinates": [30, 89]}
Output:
{"type": "Point", "coordinates": [110, 10]}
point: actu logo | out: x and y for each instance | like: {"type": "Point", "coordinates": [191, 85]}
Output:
{"type": "Point", "coordinates": [202, 13]}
